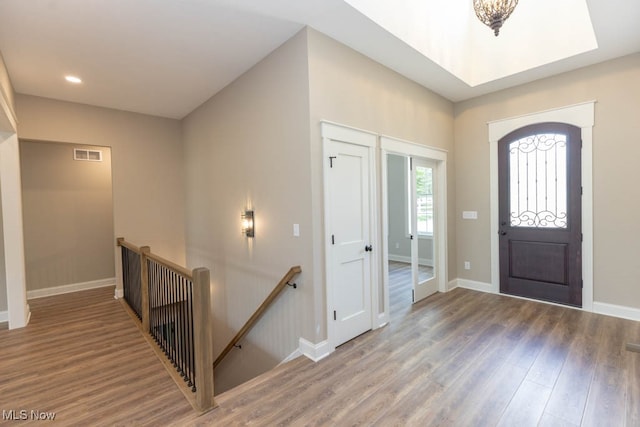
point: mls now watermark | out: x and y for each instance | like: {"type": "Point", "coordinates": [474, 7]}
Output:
{"type": "Point", "coordinates": [27, 415]}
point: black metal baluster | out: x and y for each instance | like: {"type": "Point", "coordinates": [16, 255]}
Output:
{"type": "Point", "coordinates": [193, 364]}
{"type": "Point", "coordinates": [187, 342]}
{"type": "Point", "coordinates": [167, 310]}
{"type": "Point", "coordinates": [183, 344]}
{"type": "Point", "coordinates": [125, 273]}
{"type": "Point", "coordinates": [172, 288]}
{"type": "Point", "coordinates": [138, 287]}
{"type": "Point", "coordinates": [152, 303]}
{"type": "Point", "coordinates": [163, 289]}
{"type": "Point", "coordinates": [176, 320]}
{"type": "Point", "coordinates": [153, 287]}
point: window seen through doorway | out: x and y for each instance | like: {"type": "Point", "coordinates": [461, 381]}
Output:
{"type": "Point", "coordinates": [424, 199]}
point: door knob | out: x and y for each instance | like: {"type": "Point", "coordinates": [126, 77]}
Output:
{"type": "Point", "coordinates": [368, 248]}
{"type": "Point", "coordinates": [502, 233]}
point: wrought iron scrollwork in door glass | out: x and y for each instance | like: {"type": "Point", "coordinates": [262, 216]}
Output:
{"type": "Point", "coordinates": [538, 181]}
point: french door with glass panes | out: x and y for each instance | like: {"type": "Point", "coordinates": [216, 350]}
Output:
{"type": "Point", "coordinates": [540, 213]}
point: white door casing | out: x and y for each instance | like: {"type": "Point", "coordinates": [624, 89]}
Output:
{"type": "Point", "coordinates": [349, 172]}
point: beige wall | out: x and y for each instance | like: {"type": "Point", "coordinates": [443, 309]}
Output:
{"type": "Point", "coordinates": [248, 146]}
{"type": "Point", "coordinates": [257, 143]}
{"type": "Point", "coordinates": [147, 167]}
{"type": "Point", "coordinates": [615, 85]}
{"type": "Point", "coordinates": [351, 89]}
{"type": "Point", "coordinates": [68, 215]}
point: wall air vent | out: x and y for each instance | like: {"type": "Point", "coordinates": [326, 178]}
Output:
{"type": "Point", "coordinates": [87, 155]}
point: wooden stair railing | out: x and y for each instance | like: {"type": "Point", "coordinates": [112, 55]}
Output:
{"type": "Point", "coordinates": [284, 282]}
{"type": "Point", "coordinates": [174, 309]}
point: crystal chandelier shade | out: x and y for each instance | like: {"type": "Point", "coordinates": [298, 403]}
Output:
{"type": "Point", "coordinates": [493, 13]}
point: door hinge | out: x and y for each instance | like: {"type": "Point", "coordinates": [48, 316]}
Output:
{"type": "Point", "coordinates": [413, 295]}
{"type": "Point", "coordinates": [581, 237]}
{"type": "Point", "coordinates": [581, 283]}
{"type": "Point", "coordinates": [581, 191]}
{"type": "Point", "coordinates": [410, 163]}
{"type": "Point", "coordinates": [333, 239]}
{"type": "Point", "coordinates": [335, 317]}
{"type": "Point", "coordinates": [331, 161]}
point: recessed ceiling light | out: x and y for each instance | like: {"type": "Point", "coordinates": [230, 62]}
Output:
{"type": "Point", "coordinates": [73, 79]}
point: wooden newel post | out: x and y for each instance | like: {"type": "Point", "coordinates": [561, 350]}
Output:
{"type": "Point", "coordinates": [144, 287]}
{"type": "Point", "coordinates": [202, 329]}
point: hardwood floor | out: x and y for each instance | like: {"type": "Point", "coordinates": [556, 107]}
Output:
{"type": "Point", "coordinates": [462, 358]}
{"type": "Point", "coordinates": [84, 359]}
{"type": "Point", "coordinates": [400, 287]}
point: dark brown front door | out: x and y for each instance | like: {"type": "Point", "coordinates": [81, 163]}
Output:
{"type": "Point", "coordinates": [540, 213]}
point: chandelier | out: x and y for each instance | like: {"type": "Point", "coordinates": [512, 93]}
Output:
{"type": "Point", "coordinates": [493, 13]}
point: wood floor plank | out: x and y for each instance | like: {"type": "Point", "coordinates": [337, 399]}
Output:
{"type": "Point", "coordinates": [547, 366]}
{"type": "Point", "coordinates": [632, 363]}
{"type": "Point", "coordinates": [527, 406]}
{"type": "Point", "coordinates": [549, 420]}
{"type": "Point", "coordinates": [633, 391]}
{"type": "Point", "coordinates": [569, 396]}
{"type": "Point", "coordinates": [544, 318]}
{"type": "Point", "coordinates": [607, 400]}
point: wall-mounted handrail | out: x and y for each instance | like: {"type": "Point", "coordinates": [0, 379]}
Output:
{"type": "Point", "coordinates": [175, 311]}
{"type": "Point", "coordinates": [284, 282]}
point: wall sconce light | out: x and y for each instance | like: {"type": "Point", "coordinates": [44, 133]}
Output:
{"type": "Point", "coordinates": [247, 224]}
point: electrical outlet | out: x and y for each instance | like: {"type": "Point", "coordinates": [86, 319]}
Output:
{"type": "Point", "coordinates": [467, 265]}
{"type": "Point", "coordinates": [397, 245]}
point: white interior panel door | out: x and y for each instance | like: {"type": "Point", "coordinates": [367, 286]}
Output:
{"type": "Point", "coordinates": [349, 228]}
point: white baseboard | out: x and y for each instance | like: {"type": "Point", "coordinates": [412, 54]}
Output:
{"type": "Point", "coordinates": [407, 260]}
{"type": "Point", "coordinates": [4, 316]}
{"type": "Point", "coordinates": [119, 294]}
{"type": "Point", "coordinates": [473, 285]}
{"type": "Point", "coordinates": [315, 352]}
{"type": "Point", "coordinates": [616, 310]}
{"type": "Point", "coordinates": [383, 319]}
{"type": "Point", "coordinates": [620, 311]}
{"type": "Point", "coordinates": [75, 287]}
{"type": "Point", "coordinates": [400, 258]}
{"type": "Point", "coordinates": [290, 357]}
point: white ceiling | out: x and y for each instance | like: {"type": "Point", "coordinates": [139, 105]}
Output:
{"type": "Point", "coordinates": [166, 57]}
{"type": "Point", "coordinates": [454, 39]}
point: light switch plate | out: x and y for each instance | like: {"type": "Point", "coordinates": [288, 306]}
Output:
{"type": "Point", "coordinates": [296, 230]}
{"type": "Point", "coordinates": [470, 215]}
